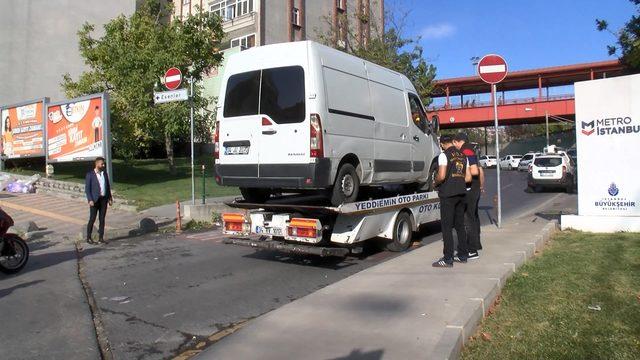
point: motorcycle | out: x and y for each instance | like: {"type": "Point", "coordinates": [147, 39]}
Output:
{"type": "Point", "coordinates": [14, 251]}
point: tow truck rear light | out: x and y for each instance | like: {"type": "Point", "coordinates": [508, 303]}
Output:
{"type": "Point", "coordinates": [216, 141]}
{"type": "Point", "coordinates": [564, 170]}
{"type": "Point", "coordinates": [530, 168]}
{"type": "Point", "coordinates": [235, 224]}
{"type": "Point", "coordinates": [266, 122]}
{"type": "Point", "coordinates": [315, 143]}
{"type": "Point", "coordinates": [304, 230]}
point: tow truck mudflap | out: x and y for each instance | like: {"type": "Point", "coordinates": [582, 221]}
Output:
{"type": "Point", "coordinates": [288, 247]}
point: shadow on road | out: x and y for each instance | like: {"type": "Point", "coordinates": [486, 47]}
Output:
{"type": "Point", "coordinates": [357, 354]}
{"type": "Point", "coordinates": [9, 290]}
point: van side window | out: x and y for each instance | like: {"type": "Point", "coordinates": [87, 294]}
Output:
{"type": "Point", "coordinates": [282, 95]}
{"type": "Point", "coordinates": [241, 97]}
{"type": "Point", "coordinates": [418, 117]}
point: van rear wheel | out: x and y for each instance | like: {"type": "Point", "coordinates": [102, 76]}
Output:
{"type": "Point", "coordinates": [254, 195]}
{"type": "Point", "coordinates": [346, 187]}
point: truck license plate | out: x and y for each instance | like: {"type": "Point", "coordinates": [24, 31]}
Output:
{"type": "Point", "coordinates": [236, 150]}
{"type": "Point", "coordinates": [268, 231]}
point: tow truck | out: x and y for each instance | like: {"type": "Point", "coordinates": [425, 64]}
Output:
{"type": "Point", "coordinates": [325, 231]}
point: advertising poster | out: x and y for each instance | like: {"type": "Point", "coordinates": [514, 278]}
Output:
{"type": "Point", "coordinates": [23, 130]}
{"type": "Point", "coordinates": [608, 134]}
{"type": "Point", "coordinates": [76, 129]}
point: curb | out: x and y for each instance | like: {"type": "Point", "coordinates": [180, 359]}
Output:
{"type": "Point", "coordinates": [468, 319]}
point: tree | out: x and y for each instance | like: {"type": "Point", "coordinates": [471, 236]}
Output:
{"type": "Point", "coordinates": [128, 62]}
{"type": "Point", "coordinates": [389, 48]}
{"type": "Point", "coordinates": [628, 39]}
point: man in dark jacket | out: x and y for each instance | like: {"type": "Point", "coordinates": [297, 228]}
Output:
{"type": "Point", "coordinates": [97, 187]}
{"type": "Point", "coordinates": [453, 174]}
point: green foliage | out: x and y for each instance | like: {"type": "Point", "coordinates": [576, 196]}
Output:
{"type": "Point", "coordinates": [389, 48]}
{"type": "Point", "coordinates": [129, 60]}
{"type": "Point", "coordinates": [628, 39]}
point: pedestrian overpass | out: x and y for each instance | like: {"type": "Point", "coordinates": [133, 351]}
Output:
{"type": "Point", "coordinates": [459, 104]}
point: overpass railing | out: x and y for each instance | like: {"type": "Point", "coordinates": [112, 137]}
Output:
{"type": "Point", "coordinates": [526, 100]}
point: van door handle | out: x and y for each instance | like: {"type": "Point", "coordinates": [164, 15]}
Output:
{"type": "Point", "coordinates": [416, 138]}
{"type": "Point", "coordinates": [269, 132]}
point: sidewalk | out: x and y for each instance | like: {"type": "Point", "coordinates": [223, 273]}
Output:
{"type": "Point", "coordinates": [400, 309]}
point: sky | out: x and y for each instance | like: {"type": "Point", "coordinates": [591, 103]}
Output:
{"type": "Point", "coordinates": [527, 33]}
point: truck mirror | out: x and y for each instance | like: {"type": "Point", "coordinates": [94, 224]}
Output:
{"type": "Point", "coordinates": [435, 123]}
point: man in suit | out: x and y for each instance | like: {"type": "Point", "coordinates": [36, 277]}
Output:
{"type": "Point", "coordinates": [98, 190]}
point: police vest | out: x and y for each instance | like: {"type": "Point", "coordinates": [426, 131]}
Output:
{"type": "Point", "coordinates": [454, 183]}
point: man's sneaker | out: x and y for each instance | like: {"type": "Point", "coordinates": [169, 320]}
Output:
{"type": "Point", "coordinates": [473, 255]}
{"type": "Point", "coordinates": [460, 259]}
{"type": "Point", "coordinates": [443, 263]}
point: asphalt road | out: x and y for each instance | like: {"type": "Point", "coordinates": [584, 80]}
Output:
{"type": "Point", "coordinates": [164, 294]}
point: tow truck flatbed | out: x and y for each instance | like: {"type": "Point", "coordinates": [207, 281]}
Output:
{"type": "Point", "coordinates": [315, 229]}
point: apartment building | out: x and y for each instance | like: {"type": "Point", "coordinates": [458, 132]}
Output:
{"type": "Point", "coordinates": [249, 23]}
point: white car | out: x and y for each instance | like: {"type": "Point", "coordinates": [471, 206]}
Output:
{"type": "Point", "coordinates": [302, 116]}
{"type": "Point", "coordinates": [487, 161]}
{"type": "Point", "coordinates": [526, 160]}
{"type": "Point", "coordinates": [551, 170]}
{"type": "Point", "coordinates": [510, 162]}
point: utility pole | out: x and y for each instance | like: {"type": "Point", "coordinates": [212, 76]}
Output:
{"type": "Point", "coordinates": [495, 124]}
{"type": "Point", "coordinates": [546, 120]}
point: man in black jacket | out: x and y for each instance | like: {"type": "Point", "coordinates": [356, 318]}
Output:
{"type": "Point", "coordinates": [97, 187]}
{"type": "Point", "coordinates": [453, 174]}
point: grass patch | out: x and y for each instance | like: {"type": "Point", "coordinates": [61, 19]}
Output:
{"type": "Point", "coordinates": [544, 310]}
{"type": "Point", "coordinates": [147, 183]}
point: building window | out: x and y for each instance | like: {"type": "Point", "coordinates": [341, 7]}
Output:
{"type": "Point", "coordinates": [186, 2]}
{"type": "Point", "coordinates": [295, 16]}
{"type": "Point", "coordinates": [245, 42]}
{"type": "Point", "coordinates": [341, 5]}
{"type": "Point", "coordinates": [229, 9]}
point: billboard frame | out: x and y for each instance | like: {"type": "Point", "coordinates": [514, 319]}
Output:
{"type": "Point", "coordinates": [106, 130]}
{"type": "Point", "coordinates": [45, 103]}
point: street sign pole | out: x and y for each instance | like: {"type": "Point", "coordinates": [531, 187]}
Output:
{"type": "Point", "coordinates": [193, 174]}
{"type": "Point", "coordinates": [495, 125]}
{"type": "Point", "coordinates": [492, 69]}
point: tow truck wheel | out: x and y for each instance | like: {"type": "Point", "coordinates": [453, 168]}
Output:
{"type": "Point", "coordinates": [257, 196]}
{"type": "Point", "coordinates": [346, 187]}
{"type": "Point", "coordinates": [402, 233]}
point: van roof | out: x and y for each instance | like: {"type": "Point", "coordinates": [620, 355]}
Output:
{"type": "Point", "coordinates": [293, 50]}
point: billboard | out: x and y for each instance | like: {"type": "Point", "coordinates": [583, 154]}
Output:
{"type": "Point", "coordinates": [23, 129]}
{"type": "Point", "coordinates": [78, 129]}
{"type": "Point", "coordinates": [607, 137]}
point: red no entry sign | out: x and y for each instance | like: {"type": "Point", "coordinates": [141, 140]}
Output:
{"type": "Point", "coordinates": [172, 78]}
{"type": "Point", "coordinates": [492, 68]}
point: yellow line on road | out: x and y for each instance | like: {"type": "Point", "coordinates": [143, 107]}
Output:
{"type": "Point", "coordinates": [45, 213]}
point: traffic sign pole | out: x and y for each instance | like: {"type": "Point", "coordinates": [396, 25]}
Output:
{"type": "Point", "coordinates": [193, 174]}
{"type": "Point", "coordinates": [492, 69]}
{"type": "Point", "coordinates": [495, 125]}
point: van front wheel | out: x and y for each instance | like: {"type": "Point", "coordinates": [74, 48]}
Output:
{"type": "Point", "coordinates": [346, 187]}
{"type": "Point", "coordinates": [253, 195]}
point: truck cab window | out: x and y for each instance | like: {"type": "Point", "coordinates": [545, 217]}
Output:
{"type": "Point", "coordinates": [418, 117]}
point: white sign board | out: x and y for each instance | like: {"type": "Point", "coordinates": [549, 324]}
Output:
{"type": "Point", "coordinates": [169, 96]}
{"type": "Point", "coordinates": [608, 135]}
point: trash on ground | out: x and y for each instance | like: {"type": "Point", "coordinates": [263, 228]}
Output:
{"type": "Point", "coordinates": [594, 307]}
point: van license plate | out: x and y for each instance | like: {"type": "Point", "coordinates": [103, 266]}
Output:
{"type": "Point", "coordinates": [268, 231]}
{"type": "Point", "coordinates": [236, 150]}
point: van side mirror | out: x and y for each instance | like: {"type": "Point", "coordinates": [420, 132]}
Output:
{"type": "Point", "coordinates": [435, 124]}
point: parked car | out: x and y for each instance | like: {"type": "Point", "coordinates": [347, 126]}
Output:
{"type": "Point", "coordinates": [488, 161]}
{"type": "Point", "coordinates": [301, 116]}
{"type": "Point", "coordinates": [573, 154]}
{"type": "Point", "coordinates": [510, 162]}
{"type": "Point", "coordinates": [551, 170]}
{"type": "Point", "coordinates": [526, 159]}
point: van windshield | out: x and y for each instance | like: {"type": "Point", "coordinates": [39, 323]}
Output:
{"type": "Point", "coordinates": [276, 92]}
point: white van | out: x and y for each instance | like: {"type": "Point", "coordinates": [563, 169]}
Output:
{"type": "Point", "coordinates": [303, 116]}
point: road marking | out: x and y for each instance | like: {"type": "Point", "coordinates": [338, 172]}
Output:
{"type": "Point", "coordinates": [45, 213]}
